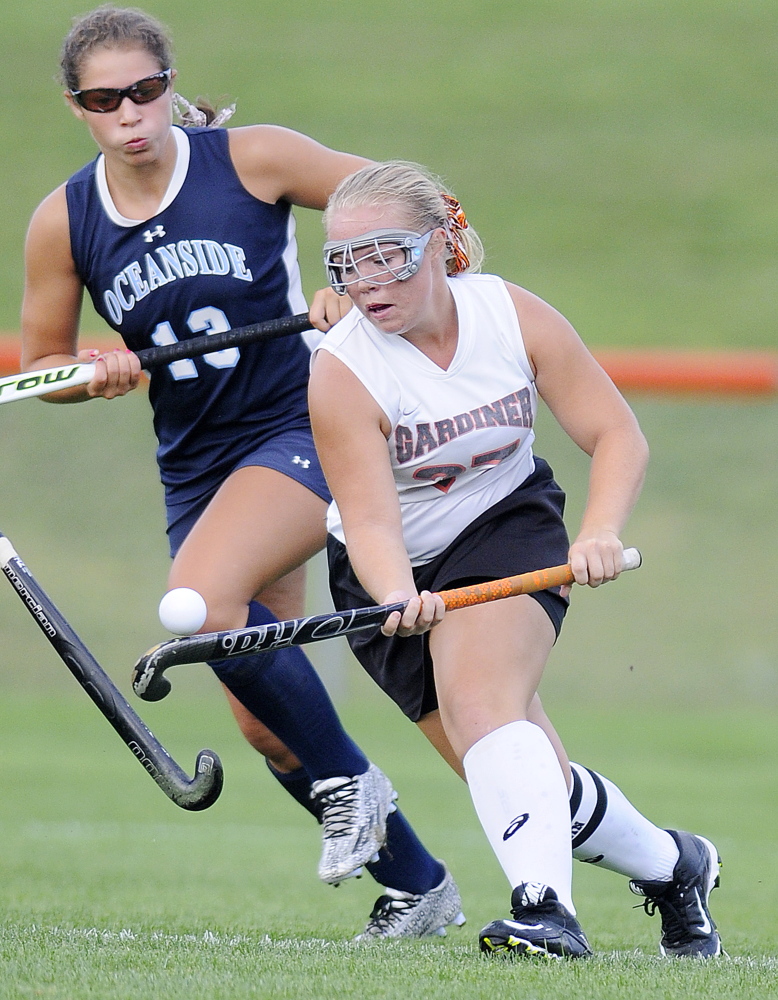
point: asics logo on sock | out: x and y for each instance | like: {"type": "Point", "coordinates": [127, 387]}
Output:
{"type": "Point", "coordinates": [515, 825]}
{"type": "Point", "coordinates": [705, 926]}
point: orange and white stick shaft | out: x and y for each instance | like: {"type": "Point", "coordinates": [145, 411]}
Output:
{"type": "Point", "coordinates": [524, 583]}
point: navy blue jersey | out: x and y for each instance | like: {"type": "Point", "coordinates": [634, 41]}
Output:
{"type": "Point", "coordinates": [214, 257]}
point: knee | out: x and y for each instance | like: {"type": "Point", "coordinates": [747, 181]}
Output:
{"type": "Point", "coordinates": [251, 668]}
{"type": "Point", "coordinates": [262, 739]}
{"type": "Point", "coordinates": [276, 753]}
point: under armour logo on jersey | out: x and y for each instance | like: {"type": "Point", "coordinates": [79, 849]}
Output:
{"type": "Point", "coordinates": [304, 462]}
{"type": "Point", "coordinates": [515, 825]}
{"type": "Point", "coordinates": [151, 234]}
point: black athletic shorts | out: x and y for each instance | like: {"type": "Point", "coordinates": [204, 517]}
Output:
{"type": "Point", "coordinates": [519, 534]}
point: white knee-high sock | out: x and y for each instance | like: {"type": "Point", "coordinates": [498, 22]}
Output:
{"type": "Point", "coordinates": [520, 796]}
{"type": "Point", "coordinates": [608, 831]}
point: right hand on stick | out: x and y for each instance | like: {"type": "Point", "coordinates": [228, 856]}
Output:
{"type": "Point", "coordinates": [424, 611]}
{"type": "Point", "coordinates": [117, 372]}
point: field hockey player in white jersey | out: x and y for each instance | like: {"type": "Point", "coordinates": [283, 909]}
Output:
{"type": "Point", "coordinates": [143, 229]}
{"type": "Point", "coordinates": [423, 402]}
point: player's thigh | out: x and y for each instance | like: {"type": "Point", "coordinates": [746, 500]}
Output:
{"type": "Point", "coordinates": [286, 596]}
{"type": "Point", "coordinates": [489, 660]}
{"type": "Point", "coordinates": [259, 527]}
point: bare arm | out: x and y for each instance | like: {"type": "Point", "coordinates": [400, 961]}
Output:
{"type": "Point", "coordinates": [596, 416]}
{"type": "Point", "coordinates": [350, 431]}
{"type": "Point", "coordinates": [274, 162]}
{"type": "Point", "coordinates": [51, 309]}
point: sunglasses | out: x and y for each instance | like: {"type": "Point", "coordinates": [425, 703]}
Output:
{"type": "Point", "coordinates": [102, 100]}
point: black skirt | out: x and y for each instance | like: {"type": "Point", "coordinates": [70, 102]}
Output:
{"type": "Point", "coordinates": [523, 532]}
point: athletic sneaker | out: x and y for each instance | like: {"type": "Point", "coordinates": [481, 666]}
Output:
{"type": "Point", "coordinates": [353, 814]}
{"type": "Point", "coordinates": [687, 926]}
{"type": "Point", "coordinates": [540, 926]}
{"type": "Point", "coordinates": [409, 915]}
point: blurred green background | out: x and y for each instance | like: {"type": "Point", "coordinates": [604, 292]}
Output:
{"type": "Point", "coordinates": [617, 156]}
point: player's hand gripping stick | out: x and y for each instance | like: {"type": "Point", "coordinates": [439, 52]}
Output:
{"type": "Point", "coordinates": [45, 380]}
{"type": "Point", "coordinates": [149, 683]}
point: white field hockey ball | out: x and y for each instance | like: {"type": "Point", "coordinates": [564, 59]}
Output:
{"type": "Point", "coordinates": [182, 611]}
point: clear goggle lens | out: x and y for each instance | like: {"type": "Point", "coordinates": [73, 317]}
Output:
{"type": "Point", "coordinates": [380, 257]}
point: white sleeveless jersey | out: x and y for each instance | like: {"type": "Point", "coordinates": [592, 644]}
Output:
{"type": "Point", "coordinates": [461, 439]}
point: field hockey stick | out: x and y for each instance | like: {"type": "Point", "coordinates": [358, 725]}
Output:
{"type": "Point", "coordinates": [38, 383]}
{"type": "Point", "coordinates": [149, 683]}
{"type": "Point", "coordinates": [195, 794]}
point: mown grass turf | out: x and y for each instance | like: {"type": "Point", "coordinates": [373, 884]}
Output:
{"type": "Point", "coordinates": [108, 890]}
{"type": "Point", "coordinates": [664, 681]}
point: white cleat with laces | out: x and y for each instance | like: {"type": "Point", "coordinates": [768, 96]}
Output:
{"type": "Point", "coordinates": [353, 813]}
{"type": "Point", "coordinates": [410, 915]}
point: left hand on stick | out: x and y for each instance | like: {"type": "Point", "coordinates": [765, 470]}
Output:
{"type": "Point", "coordinates": [328, 308]}
{"type": "Point", "coordinates": [595, 558]}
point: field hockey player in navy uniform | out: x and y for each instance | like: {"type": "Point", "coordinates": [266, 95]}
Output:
{"type": "Point", "coordinates": [175, 233]}
{"type": "Point", "coordinates": [423, 402]}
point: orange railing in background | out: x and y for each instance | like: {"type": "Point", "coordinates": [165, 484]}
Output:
{"type": "Point", "coordinates": [665, 370]}
{"type": "Point", "coordinates": [659, 370]}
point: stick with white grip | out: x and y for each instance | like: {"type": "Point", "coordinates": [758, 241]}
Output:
{"type": "Point", "coordinates": [38, 383]}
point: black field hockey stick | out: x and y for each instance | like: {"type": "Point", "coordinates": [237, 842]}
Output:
{"type": "Point", "coordinates": [192, 794]}
{"type": "Point", "coordinates": [149, 682]}
{"type": "Point", "coordinates": [38, 383]}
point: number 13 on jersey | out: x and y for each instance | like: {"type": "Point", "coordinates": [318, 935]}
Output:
{"type": "Point", "coordinates": [209, 319]}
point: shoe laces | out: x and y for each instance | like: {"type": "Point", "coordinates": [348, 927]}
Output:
{"type": "Point", "coordinates": [534, 899]}
{"type": "Point", "coordinates": [337, 804]}
{"type": "Point", "coordinates": [523, 913]}
{"type": "Point", "coordinates": [389, 910]}
{"type": "Point", "coordinates": [675, 929]}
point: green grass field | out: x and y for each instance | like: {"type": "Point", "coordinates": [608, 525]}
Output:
{"type": "Point", "coordinates": [618, 157]}
{"type": "Point", "coordinates": [109, 891]}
